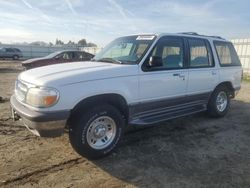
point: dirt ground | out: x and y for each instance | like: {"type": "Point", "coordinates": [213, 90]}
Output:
{"type": "Point", "coordinates": [194, 151]}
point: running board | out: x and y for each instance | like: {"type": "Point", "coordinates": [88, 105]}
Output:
{"type": "Point", "coordinates": [147, 119]}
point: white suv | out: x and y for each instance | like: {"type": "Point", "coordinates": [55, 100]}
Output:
{"type": "Point", "coordinates": [135, 80]}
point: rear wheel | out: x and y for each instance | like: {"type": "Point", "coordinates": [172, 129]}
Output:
{"type": "Point", "coordinates": [219, 102]}
{"type": "Point", "coordinates": [96, 132]}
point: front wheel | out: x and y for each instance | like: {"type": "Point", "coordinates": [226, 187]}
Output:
{"type": "Point", "coordinates": [219, 102]}
{"type": "Point", "coordinates": [96, 132]}
{"type": "Point", "coordinates": [15, 57]}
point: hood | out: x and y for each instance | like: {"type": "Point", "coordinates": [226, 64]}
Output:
{"type": "Point", "coordinates": [33, 60]}
{"type": "Point", "coordinates": [70, 73]}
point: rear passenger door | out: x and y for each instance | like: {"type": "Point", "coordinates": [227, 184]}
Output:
{"type": "Point", "coordinates": [203, 76]}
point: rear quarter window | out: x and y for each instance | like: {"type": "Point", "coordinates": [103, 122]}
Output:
{"type": "Point", "coordinates": [226, 54]}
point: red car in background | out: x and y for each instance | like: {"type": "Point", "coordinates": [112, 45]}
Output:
{"type": "Point", "coordinates": [57, 57]}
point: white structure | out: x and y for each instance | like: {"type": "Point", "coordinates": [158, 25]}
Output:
{"type": "Point", "coordinates": [242, 46]}
{"type": "Point", "coordinates": [32, 51]}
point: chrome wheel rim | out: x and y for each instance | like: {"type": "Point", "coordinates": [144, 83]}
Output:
{"type": "Point", "coordinates": [221, 101]}
{"type": "Point", "coordinates": [101, 132]}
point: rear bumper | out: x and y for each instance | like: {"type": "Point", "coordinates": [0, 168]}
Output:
{"type": "Point", "coordinates": [44, 124]}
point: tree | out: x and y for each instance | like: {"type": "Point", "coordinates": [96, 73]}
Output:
{"type": "Point", "coordinates": [90, 44]}
{"type": "Point", "coordinates": [82, 42]}
{"type": "Point", "coordinates": [71, 43]}
{"type": "Point", "coordinates": [39, 43]}
{"type": "Point", "coordinates": [59, 42]}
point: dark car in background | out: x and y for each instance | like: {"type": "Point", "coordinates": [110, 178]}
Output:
{"type": "Point", "coordinates": [13, 53]}
{"type": "Point", "coordinates": [56, 58]}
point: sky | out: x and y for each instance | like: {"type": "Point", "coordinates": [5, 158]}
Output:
{"type": "Point", "coordinates": [104, 20]}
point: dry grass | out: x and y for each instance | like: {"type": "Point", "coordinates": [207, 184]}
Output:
{"type": "Point", "coordinates": [194, 151]}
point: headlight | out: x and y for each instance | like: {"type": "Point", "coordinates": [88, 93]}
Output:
{"type": "Point", "coordinates": [42, 97]}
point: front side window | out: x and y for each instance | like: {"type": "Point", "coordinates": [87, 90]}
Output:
{"type": "Point", "coordinates": [170, 53]}
{"type": "Point", "coordinates": [199, 55]}
{"type": "Point", "coordinates": [125, 50]}
{"type": "Point", "coordinates": [226, 54]}
{"type": "Point", "coordinates": [65, 56]}
{"type": "Point", "coordinates": [53, 55]}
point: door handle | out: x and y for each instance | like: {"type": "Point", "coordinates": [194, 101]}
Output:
{"type": "Point", "coordinates": [214, 73]}
{"type": "Point", "coordinates": [176, 74]}
{"type": "Point", "coordinates": [180, 75]}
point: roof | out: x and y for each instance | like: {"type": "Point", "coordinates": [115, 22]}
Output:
{"type": "Point", "coordinates": [187, 34]}
{"type": "Point", "coordinates": [193, 34]}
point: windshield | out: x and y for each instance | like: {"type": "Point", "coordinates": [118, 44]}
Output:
{"type": "Point", "coordinates": [53, 54]}
{"type": "Point", "coordinates": [126, 50]}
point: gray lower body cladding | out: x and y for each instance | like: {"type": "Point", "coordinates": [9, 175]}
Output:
{"type": "Point", "coordinates": [45, 124]}
{"type": "Point", "coordinates": [162, 110]}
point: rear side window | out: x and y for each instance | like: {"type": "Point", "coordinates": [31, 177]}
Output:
{"type": "Point", "coordinates": [82, 55]}
{"type": "Point", "coordinates": [200, 53]}
{"type": "Point", "coordinates": [9, 50]}
{"type": "Point", "coordinates": [226, 54]}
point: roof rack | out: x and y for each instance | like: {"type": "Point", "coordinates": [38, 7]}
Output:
{"type": "Point", "coordinates": [194, 33]}
{"type": "Point", "coordinates": [217, 37]}
{"type": "Point", "coordinates": [189, 33]}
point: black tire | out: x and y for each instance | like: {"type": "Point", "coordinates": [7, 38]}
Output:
{"type": "Point", "coordinates": [212, 107]}
{"type": "Point", "coordinates": [79, 126]}
{"type": "Point", "coordinates": [15, 57]}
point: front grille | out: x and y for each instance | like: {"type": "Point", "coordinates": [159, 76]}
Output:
{"type": "Point", "coordinates": [20, 90]}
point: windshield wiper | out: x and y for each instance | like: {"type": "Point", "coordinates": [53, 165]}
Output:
{"type": "Point", "coordinates": [109, 60]}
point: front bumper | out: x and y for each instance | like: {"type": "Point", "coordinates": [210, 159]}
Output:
{"type": "Point", "coordinates": [236, 91]}
{"type": "Point", "coordinates": [44, 124]}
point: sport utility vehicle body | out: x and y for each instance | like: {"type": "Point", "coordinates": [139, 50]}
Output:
{"type": "Point", "coordinates": [13, 53]}
{"type": "Point", "coordinates": [135, 80]}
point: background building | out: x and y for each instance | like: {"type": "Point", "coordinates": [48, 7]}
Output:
{"type": "Point", "coordinates": [242, 46]}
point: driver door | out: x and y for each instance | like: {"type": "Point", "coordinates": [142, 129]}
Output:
{"type": "Point", "coordinates": [163, 86]}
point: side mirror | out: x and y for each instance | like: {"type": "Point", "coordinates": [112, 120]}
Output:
{"type": "Point", "coordinates": [155, 61]}
{"type": "Point", "coordinates": [57, 57]}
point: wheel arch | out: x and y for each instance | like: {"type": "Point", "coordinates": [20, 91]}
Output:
{"type": "Point", "coordinates": [116, 100]}
{"type": "Point", "coordinates": [229, 86]}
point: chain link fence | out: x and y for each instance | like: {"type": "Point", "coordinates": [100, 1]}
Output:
{"type": "Point", "coordinates": [31, 51]}
{"type": "Point", "coordinates": [242, 46]}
